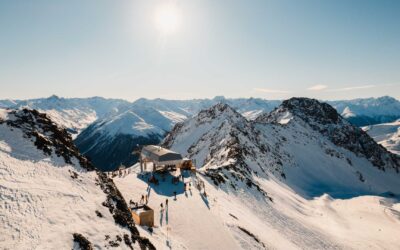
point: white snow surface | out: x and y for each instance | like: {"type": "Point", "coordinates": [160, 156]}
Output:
{"type": "Point", "coordinates": [41, 206]}
{"type": "Point", "coordinates": [127, 123]}
{"type": "Point", "coordinates": [320, 204]}
{"type": "Point", "coordinates": [289, 222]}
{"type": "Point", "coordinates": [3, 114]}
{"type": "Point", "coordinates": [386, 134]}
{"type": "Point", "coordinates": [347, 113]}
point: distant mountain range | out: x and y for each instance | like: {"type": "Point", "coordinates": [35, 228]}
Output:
{"type": "Point", "coordinates": [368, 111]}
{"type": "Point", "coordinates": [386, 134]}
{"type": "Point", "coordinates": [108, 130]}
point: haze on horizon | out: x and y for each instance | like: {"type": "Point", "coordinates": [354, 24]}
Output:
{"type": "Point", "coordinates": [179, 49]}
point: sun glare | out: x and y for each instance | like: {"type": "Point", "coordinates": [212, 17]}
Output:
{"type": "Point", "coordinates": [167, 18]}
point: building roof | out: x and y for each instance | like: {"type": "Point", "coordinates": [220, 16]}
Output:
{"type": "Point", "coordinates": [159, 154]}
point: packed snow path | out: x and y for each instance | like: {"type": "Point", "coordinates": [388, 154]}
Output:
{"type": "Point", "coordinates": [290, 222]}
{"type": "Point", "coordinates": [187, 220]}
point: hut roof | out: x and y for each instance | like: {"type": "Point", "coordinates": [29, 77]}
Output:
{"type": "Point", "coordinates": [159, 154]}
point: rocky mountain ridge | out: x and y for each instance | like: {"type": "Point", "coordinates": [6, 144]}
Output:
{"type": "Point", "coordinates": [289, 141]}
{"type": "Point", "coordinates": [52, 147]}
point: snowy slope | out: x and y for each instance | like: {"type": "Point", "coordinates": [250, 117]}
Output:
{"type": "Point", "coordinates": [244, 220]}
{"type": "Point", "coordinates": [49, 192]}
{"type": "Point", "coordinates": [287, 181]}
{"type": "Point", "coordinates": [386, 134]}
{"type": "Point", "coordinates": [328, 154]}
{"type": "Point", "coordinates": [110, 142]}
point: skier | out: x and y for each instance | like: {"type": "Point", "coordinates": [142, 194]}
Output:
{"type": "Point", "coordinates": [166, 203]}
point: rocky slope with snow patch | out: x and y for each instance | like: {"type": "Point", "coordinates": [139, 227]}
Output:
{"type": "Point", "coordinates": [326, 154]}
{"type": "Point", "coordinates": [324, 119]}
{"type": "Point", "coordinates": [110, 141]}
{"type": "Point", "coordinates": [51, 196]}
{"type": "Point", "coordinates": [225, 146]}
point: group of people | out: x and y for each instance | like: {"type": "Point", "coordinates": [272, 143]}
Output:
{"type": "Point", "coordinates": [143, 201]}
{"type": "Point", "coordinates": [120, 173]}
{"type": "Point", "coordinates": [166, 204]}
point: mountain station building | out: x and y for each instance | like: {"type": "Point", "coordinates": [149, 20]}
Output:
{"type": "Point", "coordinates": [162, 159]}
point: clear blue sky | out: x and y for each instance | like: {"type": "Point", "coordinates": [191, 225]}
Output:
{"type": "Point", "coordinates": [271, 49]}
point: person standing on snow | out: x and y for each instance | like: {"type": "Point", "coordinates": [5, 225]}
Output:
{"type": "Point", "coordinates": [142, 199]}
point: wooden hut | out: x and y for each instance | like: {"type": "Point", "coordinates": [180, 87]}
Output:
{"type": "Point", "coordinates": [143, 215]}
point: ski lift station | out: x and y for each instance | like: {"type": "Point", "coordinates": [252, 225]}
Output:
{"type": "Point", "coordinates": [162, 159]}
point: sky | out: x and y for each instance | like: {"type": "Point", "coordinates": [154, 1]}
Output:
{"type": "Point", "coordinates": [184, 49]}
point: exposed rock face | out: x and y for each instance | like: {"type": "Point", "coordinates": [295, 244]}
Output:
{"type": "Point", "coordinates": [48, 136]}
{"type": "Point", "coordinates": [84, 244]}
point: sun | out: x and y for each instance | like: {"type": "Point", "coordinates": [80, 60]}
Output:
{"type": "Point", "coordinates": [167, 18]}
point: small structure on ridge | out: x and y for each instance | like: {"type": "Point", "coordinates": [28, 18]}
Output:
{"type": "Point", "coordinates": [143, 215]}
{"type": "Point", "coordinates": [163, 159]}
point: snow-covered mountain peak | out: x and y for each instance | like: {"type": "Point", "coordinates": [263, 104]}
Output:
{"type": "Point", "coordinates": [311, 109]}
{"type": "Point", "coordinates": [220, 110]}
{"type": "Point", "coordinates": [324, 119]}
{"type": "Point", "coordinates": [299, 139]}
{"type": "Point", "coordinates": [347, 113]}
